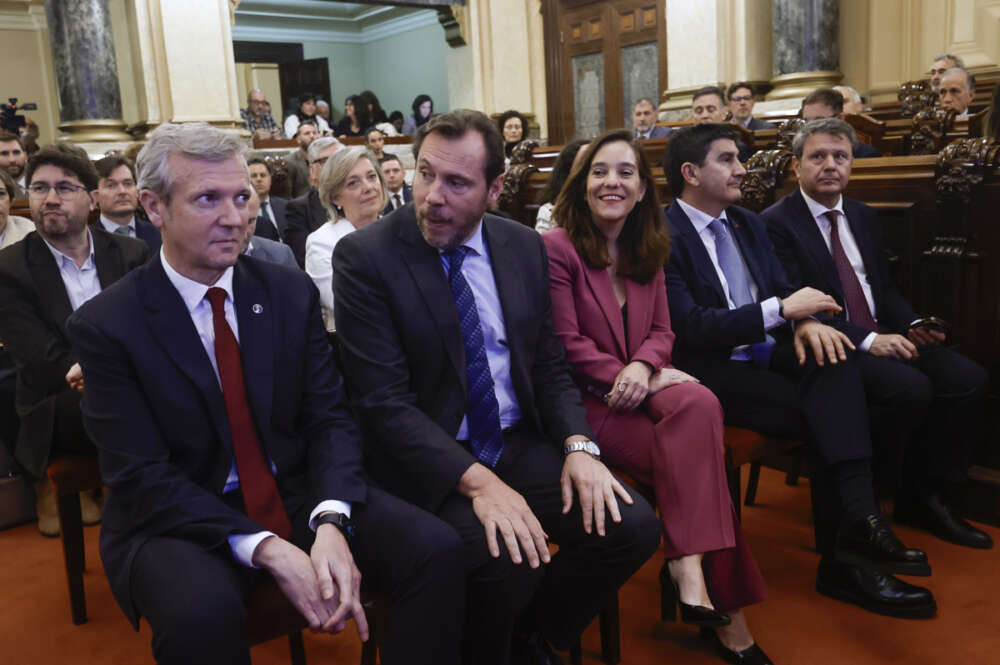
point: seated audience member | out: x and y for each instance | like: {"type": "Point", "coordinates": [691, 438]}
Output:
{"type": "Point", "coordinates": [305, 109]}
{"type": "Point", "coordinates": [352, 190]}
{"type": "Point", "coordinates": [831, 243]}
{"type": "Point", "coordinates": [732, 310]}
{"type": "Point", "coordinates": [29, 136]}
{"type": "Point", "coordinates": [306, 213]}
{"type": "Point", "coordinates": [567, 159]}
{"type": "Point", "coordinates": [43, 278]}
{"type": "Point", "coordinates": [217, 482]}
{"type": "Point", "coordinates": [272, 208]}
{"type": "Point", "coordinates": [397, 191]}
{"type": "Point", "coordinates": [375, 141]}
{"type": "Point", "coordinates": [957, 90]}
{"type": "Point", "coordinates": [443, 314]}
{"type": "Point", "coordinates": [117, 199]}
{"type": "Point", "coordinates": [709, 105]}
{"type": "Point", "coordinates": [828, 103]}
{"type": "Point", "coordinates": [741, 102]}
{"type": "Point", "coordinates": [991, 124]}
{"type": "Point", "coordinates": [852, 99]}
{"type": "Point", "coordinates": [423, 109]}
{"type": "Point", "coordinates": [13, 159]}
{"type": "Point", "coordinates": [609, 309]}
{"type": "Point", "coordinates": [396, 119]}
{"type": "Point", "coordinates": [261, 247]}
{"type": "Point", "coordinates": [375, 111]}
{"type": "Point", "coordinates": [12, 227]}
{"type": "Point", "coordinates": [644, 121]}
{"type": "Point", "coordinates": [355, 120]}
{"type": "Point", "coordinates": [943, 63]}
{"type": "Point", "coordinates": [297, 163]}
{"type": "Point", "coordinates": [514, 129]}
{"type": "Point", "coordinates": [256, 120]}
{"type": "Point", "coordinates": [323, 110]}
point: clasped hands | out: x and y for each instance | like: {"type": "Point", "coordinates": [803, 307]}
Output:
{"type": "Point", "coordinates": [502, 510]}
{"type": "Point", "coordinates": [324, 585]}
{"type": "Point", "coordinates": [637, 380]}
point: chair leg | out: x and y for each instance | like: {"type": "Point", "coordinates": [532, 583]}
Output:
{"type": "Point", "coordinates": [576, 654]}
{"type": "Point", "coordinates": [297, 648]}
{"type": "Point", "coordinates": [668, 596]}
{"type": "Point", "coordinates": [733, 480]}
{"type": "Point", "coordinates": [751, 495]}
{"type": "Point", "coordinates": [792, 477]}
{"type": "Point", "coordinates": [611, 651]}
{"type": "Point", "coordinates": [71, 529]}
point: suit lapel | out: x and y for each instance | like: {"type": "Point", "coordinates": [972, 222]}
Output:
{"type": "Point", "coordinates": [255, 317]}
{"type": "Point", "coordinates": [510, 285]}
{"type": "Point", "coordinates": [424, 264]}
{"type": "Point", "coordinates": [699, 255]}
{"type": "Point", "coordinates": [748, 248]}
{"type": "Point", "coordinates": [804, 225]}
{"type": "Point", "coordinates": [52, 296]}
{"type": "Point", "coordinates": [171, 326]}
{"type": "Point", "coordinates": [639, 298]}
{"type": "Point", "coordinates": [108, 259]}
{"type": "Point", "coordinates": [601, 286]}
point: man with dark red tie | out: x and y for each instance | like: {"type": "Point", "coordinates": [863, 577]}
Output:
{"type": "Point", "coordinates": [925, 395]}
{"type": "Point", "coordinates": [217, 410]}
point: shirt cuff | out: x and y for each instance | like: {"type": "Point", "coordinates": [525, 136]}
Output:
{"type": "Point", "coordinates": [770, 308]}
{"type": "Point", "coordinates": [866, 343]}
{"type": "Point", "coordinates": [329, 506]}
{"type": "Point", "coordinates": [244, 545]}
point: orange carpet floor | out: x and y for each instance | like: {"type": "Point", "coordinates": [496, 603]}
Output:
{"type": "Point", "coordinates": [795, 626]}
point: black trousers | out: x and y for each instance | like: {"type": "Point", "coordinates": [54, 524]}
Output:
{"type": "Point", "coordinates": [195, 600]}
{"type": "Point", "coordinates": [559, 598]}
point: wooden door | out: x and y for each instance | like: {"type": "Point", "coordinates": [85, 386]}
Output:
{"type": "Point", "coordinates": [304, 76]}
{"type": "Point", "coordinates": [601, 57]}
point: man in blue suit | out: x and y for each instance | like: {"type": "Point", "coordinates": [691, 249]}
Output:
{"type": "Point", "coordinates": [767, 353]}
{"type": "Point", "coordinates": [218, 414]}
{"type": "Point", "coordinates": [118, 199]}
{"type": "Point", "coordinates": [930, 395]}
{"type": "Point", "coordinates": [644, 121]}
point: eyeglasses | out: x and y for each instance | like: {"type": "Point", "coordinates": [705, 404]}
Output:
{"type": "Point", "coordinates": [63, 189]}
{"type": "Point", "coordinates": [741, 98]}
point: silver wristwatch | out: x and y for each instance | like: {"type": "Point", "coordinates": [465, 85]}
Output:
{"type": "Point", "coordinates": [586, 446]}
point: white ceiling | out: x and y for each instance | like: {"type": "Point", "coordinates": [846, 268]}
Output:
{"type": "Point", "coordinates": [324, 20]}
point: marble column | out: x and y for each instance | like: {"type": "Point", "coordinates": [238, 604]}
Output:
{"type": "Point", "coordinates": [83, 55]}
{"type": "Point", "coordinates": [806, 53]}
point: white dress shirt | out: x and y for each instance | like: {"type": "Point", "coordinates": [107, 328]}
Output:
{"type": "Point", "coordinates": [292, 125]}
{"type": "Point", "coordinates": [769, 308]}
{"type": "Point", "coordinates": [200, 309]}
{"type": "Point", "coordinates": [269, 213]}
{"type": "Point", "coordinates": [478, 272]}
{"type": "Point", "coordinates": [851, 250]}
{"type": "Point", "coordinates": [82, 282]}
{"type": "Point", "coordinates": [319, 262]}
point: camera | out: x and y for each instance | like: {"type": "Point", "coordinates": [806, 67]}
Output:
{"type": "Point", "coordinates": [10, 121]}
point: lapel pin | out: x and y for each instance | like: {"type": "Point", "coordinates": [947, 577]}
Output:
{"type": "Point", "coordinates": [257, 308]}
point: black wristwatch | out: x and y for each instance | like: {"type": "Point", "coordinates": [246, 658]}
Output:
{"type": "Point", "coordinates": [339, 520]}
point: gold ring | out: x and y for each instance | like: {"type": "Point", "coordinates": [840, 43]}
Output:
{"type": "Point", "coordinates": [621, 387]}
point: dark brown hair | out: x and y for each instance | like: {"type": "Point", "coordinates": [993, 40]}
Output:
{"type": "Point", "coordinates": [8, 184]}
{"type": "Point", "coordinates": [106, 165]}
{"type": "Point", "coordinates": [826, 96]}
{"type": "Point", "coordinates": [644, 243]}
{"type": "Point", "coordinates": [67, 157]}
{"type": "Point", "coordinates": [7, 137]}
{"type": "Point", "coordinates": [454, 125]}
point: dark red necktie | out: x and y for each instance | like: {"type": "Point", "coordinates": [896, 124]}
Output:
{"type": "Point", "coordinates": [854, 297]}
{"type": "Point", "coordinates": [260, 491]}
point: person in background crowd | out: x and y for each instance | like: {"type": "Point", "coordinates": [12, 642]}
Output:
{"type": "Point", "coordinates": [260, 246]}
{"type": "Point", "coordinates": [272, 208]}
{"type": "Point", "coordinates": [644, 121]}
{"type": "Point", "coordinates": [375, 111]}
{"type": "Point", "coordinates": [852, 99]}
{"type": "Point", "coordinates": [396, 120]}
{"type": "Point", "coordinates": [741, 102]}
{"type": "Point", "coordinates": [514, 129]}
{"type": "Point", "coordinates": [708, 105]}
{"type": "Point", "coordinates": [423, 109]}
{"type": "Point", "coordinates": [375, 141]}
{"type": "Point", "coordinates": [117, 198]}
{"type": "Point", "coordinates": [828, 103]}
{"type": "Point", "coordinates": [564, 164]}
{"type": "Point", "coordinates": [355, 120]}
{"type": "Point", "coordinates": [12, 227]}
{"type": "Point", "coordinates": [305, 109]}
{"type": "Point", "coordinates": [323, 110]}
{"type": "Point", "coordinates": [943, 63]}
{"type": "Point", "coordinates": [13, 158]}
{"type": "Point", "coordinates": [397, 191]}
{"type": "Point", "coordinates": [256, 120]}
{"type": "Point", "coordinates": [957, 90]}
{"type": "Point", "coordinates": [352, 190]}
{"type": "Point", "coordinates": [297, 164]}
{"type": "Point", "coordinates": [307, 213]}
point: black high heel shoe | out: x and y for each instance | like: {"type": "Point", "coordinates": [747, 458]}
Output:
{"type": "Point", "coordinates": [694, 615]}
{"type": "Point", "coordinates": [752, 655]}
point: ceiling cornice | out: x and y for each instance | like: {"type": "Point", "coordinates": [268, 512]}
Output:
{"type": "Point", "coordinates": [317, 34]}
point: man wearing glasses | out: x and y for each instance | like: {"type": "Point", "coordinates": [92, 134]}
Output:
{"type": "Point", "coordinates": [741, 103]}
{"type": "Point", "coordinates": [304, 214]}
{"type": "Point", "coordinates": [43, 279]}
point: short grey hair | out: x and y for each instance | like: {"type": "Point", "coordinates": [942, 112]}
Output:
{"type": "Point", "coordinates": [855, 95]}
{"type": "Point", "coordinates": [948, 56]}
{"type": "Point", "coordinates": [831, 126]}
{"type": "Point", "coordinates": [194, 140]}
{"type": "Point", "coordinates": [970, 80]}
{"type": "Point", "coordinates": [335, 173]}
{"type": "Point", "coordinates": [319, 145]}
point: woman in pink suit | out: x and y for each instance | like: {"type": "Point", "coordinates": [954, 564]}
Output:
{"type": "Point", "coordinates": [658, 424]}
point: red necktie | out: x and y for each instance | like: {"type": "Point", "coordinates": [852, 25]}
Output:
{"type": "Point", "coordinates": [260, 491]}
{"type": "Point", "coordinates": [854, 297]}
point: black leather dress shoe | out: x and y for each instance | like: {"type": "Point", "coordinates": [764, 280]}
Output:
{"type": "Point", "coordinates": [870, 543]}
{"type": "Point", "coordinates": [752, 655]}
{"type": "Point", "coordinates": [874, 591]}
{"type": "Point", "coordinates": [532, 649]}
{"type": "Point", "coordinates": [934, 515]}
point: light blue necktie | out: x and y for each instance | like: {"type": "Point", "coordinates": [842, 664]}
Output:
{"type": "Point", "coordinates": [485, 434]}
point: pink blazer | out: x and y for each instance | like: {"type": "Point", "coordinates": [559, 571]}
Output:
{"type": "Point", "coordinates": [588, 320]}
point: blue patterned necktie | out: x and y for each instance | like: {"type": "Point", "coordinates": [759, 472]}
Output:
{"type": "Point", "coordinates": [485, 435]}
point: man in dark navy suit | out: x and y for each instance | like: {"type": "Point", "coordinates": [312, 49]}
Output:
{"type": "Point", "coordinates": [929, 394]}
{"type": "Point", "coordinates": [399, 193]}
{"type": "Point", "coordinates": [271, 218]}
{"type": "Point", "coordinates": [644, 121]}
{"type": "Point", "coordinates": [828, 103]}
{"type": "Point", "coordinates": [117, 198]}
{"type": "Point", "coordinates": [778, 368]}
{"type": "Point", "coordinates": [214, 402]}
